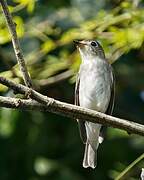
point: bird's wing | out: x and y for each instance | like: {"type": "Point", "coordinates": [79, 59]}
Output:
{"type": "Point", "coordinates": [110, 106]}
{"type": "Point", "coordinates": [111, 103]}
{"type": "Point", "coordinates": [81, 124]}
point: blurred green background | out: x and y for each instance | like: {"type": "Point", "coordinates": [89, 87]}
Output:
{"type": "Point", "coordinates": [41, 146]}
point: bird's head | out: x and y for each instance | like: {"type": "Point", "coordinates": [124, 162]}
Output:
{"type": "Point", "coordinates": [90, 49]}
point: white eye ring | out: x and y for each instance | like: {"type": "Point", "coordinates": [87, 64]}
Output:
{"type": "Point", "coordinates": [93, 43]}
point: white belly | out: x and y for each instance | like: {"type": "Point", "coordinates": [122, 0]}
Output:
{"type": "Point", "coordinates": [95, 90]}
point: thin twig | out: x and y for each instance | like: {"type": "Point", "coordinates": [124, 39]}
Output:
{"type": "Point", "coordinates": [16, 45]}
{"type": "Point", "coordinates": [43, 83]}
{"type": "Point", "coordinates": [122, 175]}
{"type": "Point", "coordinates": [72, 111]}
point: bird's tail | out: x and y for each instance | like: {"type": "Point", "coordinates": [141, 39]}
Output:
{"type": "Point", "coordinates": [93, 140]}
{"type": "Point", "coordinates": [90, 154]}
{"type": "Point", "coordinates": [90, 157]}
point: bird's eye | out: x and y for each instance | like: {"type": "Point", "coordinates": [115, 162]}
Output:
{"type": "Point", "coordinates": [93, 43]}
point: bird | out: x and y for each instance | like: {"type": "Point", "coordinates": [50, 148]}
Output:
{"type": "Point", "coordinates": [94, 89]}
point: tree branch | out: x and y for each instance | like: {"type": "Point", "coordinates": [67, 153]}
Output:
{"type": "Point", "coordinates": [65, 109]}
{"type": "Point", "coordinates": [23, 104]}
{"type": "Point", "coordinates": [49, 104]}
{"type": "Point", "coordinates": [16, 44]}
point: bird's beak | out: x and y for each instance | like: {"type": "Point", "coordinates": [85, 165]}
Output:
{"type": "Point", "coordinates": [79, 43]}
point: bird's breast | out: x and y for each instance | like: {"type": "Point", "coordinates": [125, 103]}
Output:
{"type": "Point", "coordinates": [95, 90]}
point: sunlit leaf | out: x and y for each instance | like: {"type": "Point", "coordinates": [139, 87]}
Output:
{"type": "Point", "coordinates": [47, 46]}
{"type": "Point", "coordinates": [29, 3]}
